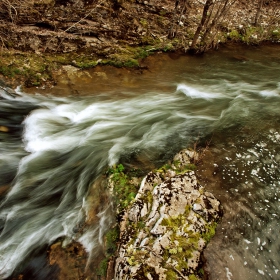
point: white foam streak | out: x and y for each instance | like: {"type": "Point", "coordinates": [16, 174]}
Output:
{"type": "Point", "coordinates": [43, 132]}
{"type": "Point", "coordinates": [117, 148]}
{"type": "Point", "coordinates": [194, 93]}
{"type": "Point", "coordinates": [228, 273]}
{"type": "Point", "coordinates": [5, 95]}
{"type": "Point", "coordinates": [92, 238]}
{"type": "Point", "coordinates": [105, 220]}
{"type": "Point", "coordinates": [198, 117]}
{"type": "Point", "coordinates": [269, 93]}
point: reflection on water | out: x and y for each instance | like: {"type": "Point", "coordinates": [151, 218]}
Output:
{"type": "Point", "coordinates": [54, 149]}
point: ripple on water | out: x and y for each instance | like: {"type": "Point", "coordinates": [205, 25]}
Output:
{"type": "Point", "coordinates": [247, 244]}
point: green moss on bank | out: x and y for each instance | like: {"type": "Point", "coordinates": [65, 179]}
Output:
{"type": "Point", "coordinates": [252, 35]}
{"type": "Point", "coordinates": [37, 69]}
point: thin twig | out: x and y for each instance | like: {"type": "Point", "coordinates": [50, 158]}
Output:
{"type": "Point", "coordinates": [88, 14]}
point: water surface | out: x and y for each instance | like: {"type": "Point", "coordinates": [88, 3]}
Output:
{"type": "Point", "coordinates": [54, 149]}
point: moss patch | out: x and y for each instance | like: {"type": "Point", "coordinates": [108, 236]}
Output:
{"type": "Point", "coordinates": [177, 167]}
{"type": "Point", "coordinates": [111, 241]}
{"type": "Point", "coordinates": [124, 190]}
{"type": "Point", "coordinates": [32, 69]}
{"type": "Point", "coordinates": [209, 232]}
{"type": "Point", "coordinates": [37, 69]}
{"type": "Point", "coordinates": [102, 268]}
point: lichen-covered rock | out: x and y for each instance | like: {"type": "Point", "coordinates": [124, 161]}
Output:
{"type": "Point", "coordinates": [167, 226]}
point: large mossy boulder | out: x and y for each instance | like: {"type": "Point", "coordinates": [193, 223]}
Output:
{"type": "Point", "coordinates": [165, 229]}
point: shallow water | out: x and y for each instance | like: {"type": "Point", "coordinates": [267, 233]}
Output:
{"type": "Point", "coordinates": [57, 147]}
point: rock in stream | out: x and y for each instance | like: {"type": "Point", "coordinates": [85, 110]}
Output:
{"type": "Point", "coordinates": [167, 226]}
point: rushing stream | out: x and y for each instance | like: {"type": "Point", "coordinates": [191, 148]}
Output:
{"type": "Point", "coordinates": [53, 149]}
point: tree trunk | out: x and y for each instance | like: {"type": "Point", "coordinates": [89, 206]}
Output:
{"type": "Point", "coordinates": [220, 13]}
{"type": "Point", "coordinates": [258, 14]}
{"type": "Point", "coordinates": [201, 25]}
{"type": "Point", "coordinates": [171, 33]}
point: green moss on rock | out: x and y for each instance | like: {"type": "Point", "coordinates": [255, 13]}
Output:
{"type": "Point", "coordinates": [124, 189]}
{"type": "Point", "coordinates": [165, 229]}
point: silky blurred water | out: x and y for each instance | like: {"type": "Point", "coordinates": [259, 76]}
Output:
{"type": "Point", "coordinates": [53, 149]}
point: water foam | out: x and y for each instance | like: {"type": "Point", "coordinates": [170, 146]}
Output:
{"type": "Point", "coordinates": [194, 93]}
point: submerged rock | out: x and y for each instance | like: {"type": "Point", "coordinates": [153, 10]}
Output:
{"type": "Point", "coordinates": [165, 229]}
{"type": "Point", "coordinates": [71, 260]}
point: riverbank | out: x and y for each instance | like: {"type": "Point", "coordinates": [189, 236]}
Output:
{"type": "Point", "coordinates": [76, 81]}
{"type": "Point", "coordinates": [40, 38]}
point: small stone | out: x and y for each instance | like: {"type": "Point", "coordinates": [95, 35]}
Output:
{"type": "Point", "coordinates": [4, 128]}
{"type": "Point", "coordinates": [197, 207]}
{"type": "Point", "coordinates": [144, 210]}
